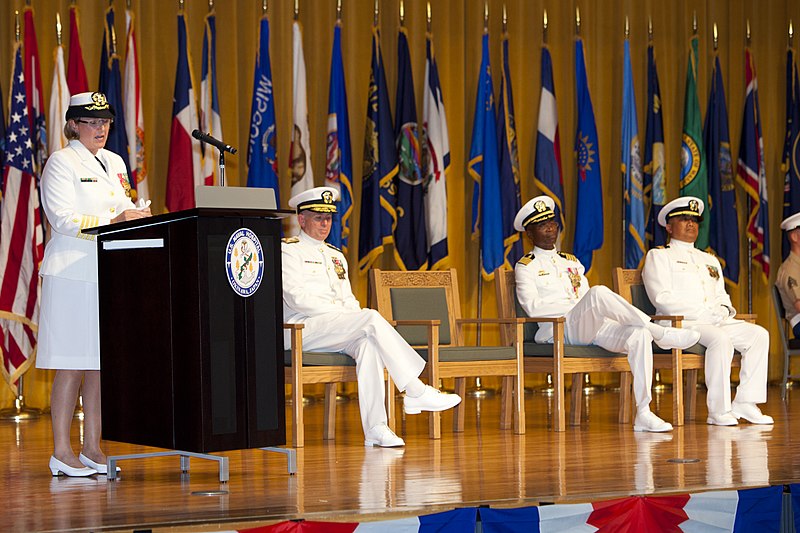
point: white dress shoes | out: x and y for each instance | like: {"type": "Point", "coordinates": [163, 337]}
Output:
{"type": "Point", "coordinates": [57, 468]}
{"type": "Point", "coordinates": [430, 400]}
{"type": "Point", "coordinates": [751, 413]}
{"type": "Point", "coordinates": [721, 419]}
{"type": "Point", "coordinates": [101, 468]}
{"type": "Point", "coordinates": [648, 421]}
{"type": "Point", "coordinates": [678, 339]}
{"type": "Point", "coordinates": [382, 436]}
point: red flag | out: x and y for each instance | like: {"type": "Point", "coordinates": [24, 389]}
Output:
{"type": "Point", "coordinates": [76, 71]}
{"type": "Point", "coordinates": [21, 242]}
{"type": "Point", "coordinates": [33, 90]}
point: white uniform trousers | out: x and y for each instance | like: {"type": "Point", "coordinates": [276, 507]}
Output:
{"type": "Point", "coordinates": [604, 318]}
{"type": "Point", "coordinates": [752, 342]}
{"type": "Point", "coordinates": [374, 345]}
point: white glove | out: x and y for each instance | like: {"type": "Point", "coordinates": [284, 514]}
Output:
{"type": "Point", "coordinates": [720, 313]}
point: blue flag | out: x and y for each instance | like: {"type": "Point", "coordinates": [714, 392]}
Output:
{"type": "Point", "coordinates": [110, 84]}
{"type": "Point", "coordinates": [791, 145]}
{"type": "Point", "coordinates": [723, 236]}
{"type": "Point", "coordinates": [753, 170]}
{"type": "Point", "coordinates": [378, 216]}
{"type": "Point", "coordinates": [631, 169]}
{"type": "Point", "coordinates": [484, 167]}
{"type": "Point", "coordinates": [509, 163]}
{"type": "Point", "coordinates": [655, 185]}
{"type": "Point", "coordinates": [411, 249]}
{"type": "Point", "coordinates": [262, 155]}
{"type": "Point", "coordinates": [547, 167]}
{"type": "Point", "coordinates": [589, 211]}
{"type": "Point", "coordinates": [339, 162]}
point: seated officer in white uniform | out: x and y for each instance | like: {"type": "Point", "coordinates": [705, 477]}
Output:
{"type": "Point", "coordinates": [682, 280]}
{"type": "Point", "coordinates": [788, 280]}
{"type": "Point", "coordinates": [317, 293]}
{"type": "Point", "coordinates": [552, 284]}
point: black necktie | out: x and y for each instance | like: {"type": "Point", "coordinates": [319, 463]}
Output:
{"type": "Point", "coordinates": [101, 164]}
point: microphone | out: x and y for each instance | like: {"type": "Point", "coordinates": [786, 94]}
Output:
{"type": "Point", "coordinates": [208, 139]}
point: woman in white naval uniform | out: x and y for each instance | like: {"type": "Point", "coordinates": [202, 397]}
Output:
{"type": "Point", "coordinates": [317, 293]}
{"type": "Point", "coordinates": [552, 284]}
{"type": "Point", "coordinates": [682, 280]}
{"type": "Point", "coordinates": [83, 185]}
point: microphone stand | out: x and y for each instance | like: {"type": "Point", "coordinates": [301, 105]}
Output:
{"type": "Point", "coordinates": [221, 167]}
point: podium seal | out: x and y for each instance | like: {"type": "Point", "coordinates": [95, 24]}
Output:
{"type": "Point", "coordinates": [244, 262]}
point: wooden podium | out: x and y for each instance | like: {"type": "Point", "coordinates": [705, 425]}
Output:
{"type": "Point", "coordinates": [189, 360]}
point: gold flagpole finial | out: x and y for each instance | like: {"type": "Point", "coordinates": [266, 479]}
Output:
{"type": "Point", "coordinates": [377, 12]}
{"type": "Point", "coordinates": [16, 25]}
{"type": "Point", "coordinates": [128, 4]}
{"type": "Point", "coordinates": [180, 5]}
{"type": "Point", "coordinates": [505, 19]}
{"type": "Point", "coordinates": [113, 41]}
{"type": "Point", "coordinates": [296, 9]}
{"type": "Point", "coordinates": [627, 27]}
{"type": "Point", "coordinates": [485, 16]}
{"type": "Point", "coordinates": [402, 14]}
{"type": "Point", "coordinates": [747, 34]}
{"type": "Point", "coordinates": [694, 22]}
{"type": "Point", "coordinates": [650, 29]}
{"type": "Point", "coordinates": [577, 20]}
{"type": "Point", "coordinates": [263, 8]}
{"type": "Point", "coordinates": [58, 28]}
{"type": "Point", "coordinates": [716, 37]}
{"type": "Point", "coordinates": [544, 27]}
{"type": "Point", "coordinates": [210, 6]}
{"type": "Point", "coordinates": [791, 32]}
{"type": "Point", "coordinates": [338, 10]}
{"type": "Point", "coordinates": [429, 16]}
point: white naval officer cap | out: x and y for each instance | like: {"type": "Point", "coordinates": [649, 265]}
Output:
{"type": "Point", "coordinates": [318, 199]}
{"type": "Point", "coordinates": [685, 205]}
{"type": "Point", "coordinates": [536, 209]}
{"type": "Point", "coordinates": [791, 222]}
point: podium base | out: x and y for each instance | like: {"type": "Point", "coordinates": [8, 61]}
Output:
{"type": "Point", "coordinates": [20, 412]}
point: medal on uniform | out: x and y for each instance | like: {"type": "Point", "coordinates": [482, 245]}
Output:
{"type": "Point", "coordinates": [338, 267]}
{"type": "Point", "coordinates": [575, 279]}
{"type": "Point", "coordinates": [713, 271]}
{"type": "Point", "coordinates": [123, 180]}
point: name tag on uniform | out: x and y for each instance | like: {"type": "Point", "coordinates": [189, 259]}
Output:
{"type": "Point", "coordinates": [313, 262]}
{"type": "Point", "coordinates": [544, 273]}
{"type": "Point", "coordinates": [88, 180]}
{"type": "Point", "coordinates": [682, 262]}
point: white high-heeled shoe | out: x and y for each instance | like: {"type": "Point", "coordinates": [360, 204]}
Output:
{"type": "Point", "coordinates": [101, 468]}
{"type": "Point", "coordinates": [57, 468]}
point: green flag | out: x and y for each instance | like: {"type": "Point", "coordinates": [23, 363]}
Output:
{"type": "Point", "coordinates": [694, 178]}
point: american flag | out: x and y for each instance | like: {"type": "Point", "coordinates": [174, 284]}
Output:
{"type": "Point", "coordinates": [21, 242]}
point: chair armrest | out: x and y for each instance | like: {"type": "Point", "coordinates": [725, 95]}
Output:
{"type": "Point", "coordinates": [415, 322]}
{"type": "Point", "coordinates": [747, 317]}
{"type": "Point", "coordinates": [293, 326]}
{"type": "Point", "coordinates": [671, 318]}
{"type": "Point", "coordinates": [490, 321]}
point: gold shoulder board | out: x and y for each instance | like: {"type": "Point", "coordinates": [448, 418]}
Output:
{"type": "Point", "coordinates": [526, 259]}
{"type": "Point", "coordinates": [332, 246]}
{"type": "Point", "coordinates": [290, 240]}
{"type": "Point", "coordinates": [568, 257]}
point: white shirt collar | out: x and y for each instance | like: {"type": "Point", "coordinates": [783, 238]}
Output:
{"type": "Point", "coordinates": [305, 237]}
{"type": "Point", "coordinates": [542, 251]}
{"type": "Point", "coordinates": [681, 244]}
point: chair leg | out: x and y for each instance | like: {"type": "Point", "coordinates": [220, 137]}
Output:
{"type": "Point", "coordinates": [329, 423]}
{"type": "Point", "coordinates": [390, 403]}
{"type": "Point", "coordinates": [506, 399]}
{"type": "Point", "coordinates": [690, 395]}
{"type": "Point", "coordinates": [298, 433]}
{"type": "Point", "coordinates": [678, 398]}
{"type": "Point", "coordinates": [785, 379]}
{"type": "Point", "coordinates": [459, 410]}
{"type": "Point", "coordinates": [576, 402]}
{"type": "Point", "coordinates": [625, 385]}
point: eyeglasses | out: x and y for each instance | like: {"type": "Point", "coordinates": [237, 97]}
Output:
{"type": "Point", "coordinates": [96, 123]}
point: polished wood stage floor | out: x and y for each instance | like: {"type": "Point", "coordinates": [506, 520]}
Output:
{"type": "Point", "coordinates": [344, 481]}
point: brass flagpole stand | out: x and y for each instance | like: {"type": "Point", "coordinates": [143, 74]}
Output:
{"type": "Point", "coordinates": [20, 411]}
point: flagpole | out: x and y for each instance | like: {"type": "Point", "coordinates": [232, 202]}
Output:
{"type": "Point", "coordinates": [749, 212]}
{"type": "Point", "coordinates": [20, 411]}
{"type": "Point", "coordinates": [622, 182]}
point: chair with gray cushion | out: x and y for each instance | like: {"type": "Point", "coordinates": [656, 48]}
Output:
{"type": "Point", "coordinates": [559, 358]}
{"type": "Point", "coordinates": [330, 368]}
{"type": "Point", "coordinates": [791, 347]}
{"type": "Point", "coordinates": [628, 284]}
{"type": "Point", "coordinates": [425, 308]}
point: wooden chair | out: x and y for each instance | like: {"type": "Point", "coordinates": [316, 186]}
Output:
{"type": "Point", "coordinates": [330, 368]}
{"type": "Point", "coordinates": [425, 308]}
{"type": "Point", "coordinates": [628, 284]}
{"type": "Point", "coordinates": [791, 347]}
{"type": "Point", "coordinates": [559, 358]}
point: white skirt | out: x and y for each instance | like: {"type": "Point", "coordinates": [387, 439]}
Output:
{"type": "Point", "coordinates": [69, 331]}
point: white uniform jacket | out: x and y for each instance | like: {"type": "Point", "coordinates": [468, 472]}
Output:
{"type": "Point", "coordinates": [76, 194]}
{"type": "Point", "coordinates": [315, 279]}
{"type": "Point", "coordinates": [549, 284]}
{"type": "Point", "coordinates": [682, 280]}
